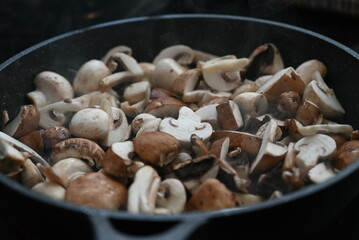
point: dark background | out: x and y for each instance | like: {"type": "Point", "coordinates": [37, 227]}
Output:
{"type": "Point", "coordinates": [24, 23]}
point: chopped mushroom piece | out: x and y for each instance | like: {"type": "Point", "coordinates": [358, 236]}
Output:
{"type": "Point", "coordinates": [166, 71]}
{"type": "Point", "coordinates": [346, 154]}
{"type": "Point", "coordinates": [186, 81]}
{"type": "Point", "coordinates": [171, 196]}
{"type": "Point", "coordinates": [320, 173]}
{"type": "Point", "coordinates": [307, 69]}
{"type": "Point", "coordinates": [30, 174]}
{"type": "Point", "coordinates": [11, 159]}
{"type": "Point", "coordinates": [50, 189]}
{"type": "Point", "coordinates": [181, 53]}
{"type": "Point", "coordinates": [229, 116]}
{"type": "Point", "coordinates": [251, 103]}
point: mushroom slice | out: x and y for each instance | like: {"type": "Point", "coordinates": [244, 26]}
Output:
{"type": "Point", "coordinates": [248, 86]}
{"type": "Point", "coordinates": [193, 168]}
{"type": "Point", "coordinates": [308, 114]}
{"type": "Point", "coordinates": [142, 192]}
{"type": "Point", "coordinates": [23, 148]}
{"type": "Point", "coordinates": [50, 189]}
{"type": "Point", "coordinates": [97, 97]}
{"type": "Point", "coordinates": [223, 74]}
{"type": "Point", "coordinates": [269, 153]}
{"type": "Point", "coordinates": [148, 71]}
{"type": "Point", "coordinates": [282, 81]}
{"type": "Point", "coordinates": [116, 79]}
{"type": "Point", "coordinates": [118, 49]}
{"type": "Point", "coordinates": [343, 129]}
{"type": "Point", "coordinates": [180, 53]}
{"type": "Point", "coordinates": [166, 71]}
{"type": "Point", "coordinates": [288, 104]}
{"type": "Point", "coordinates": [96, 190]}
{"type": "Point", "coordinates": [211, 195]}
{"type": "Point", "coordinates": [55, 114]}
{"type": "Point", "coordinates": [164, 107]}
{"type": "Point", "coordinates": [248, 142]}
{"type": "Point", "coordinates": [50, 87]}
{"type": "Point", "coordinates": [187, 81]}
{"type": "Point", "coordinates": [156, 148]}
{"type": "Point", "coordinates": [208, 113]}
{"type": "Point", "coordinates": [346, 154]}
{"type": "Point", "coordinates": [30, 174]}
{"type": "Point", "coordinates": [26, 121]}
{"type": "Point", "coordinates": [320, 173]}
{"type": "Point", "coordinates": [69, 169]}
{"type": "Point", "coordinates": [117, 160]}
{"type": "Point", "coordinates": [137, 92]}
{"type": "Point", "coordinates": [128, 63]}
{"type": "Point", "coordinates": [188, 123]}
{"type": "Point", "coordinates": [265, 59]}
{"type": "Point", "coordinates": [200, 56]}
{"type": "Point", "coordinates": [307, 69]}
{"type": "Point", "coordinates": [251, 103]}
{"type": "Point", "coordinates": [78, 148]}
{"type": "Point", "coordinates": [171, 195]}
{"type": "Point", "coordinates": [312, 149]}
{"type": "Point", "coordinates": [89, 75]}
{"type": "Point", "coordinates": [11, 159]}
{"type": "Point", "coordinates": [229, 116]}
{"type": "Point", "coordinates": [245, 199]}
{"type": "Point", "coordinates": [324, 97]}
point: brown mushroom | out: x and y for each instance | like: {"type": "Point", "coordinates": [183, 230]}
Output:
{"type": "Point", "coordinates": [346, 154]}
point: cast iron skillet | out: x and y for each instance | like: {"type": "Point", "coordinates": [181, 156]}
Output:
{"type": "Point", "coordinates": [302, 213]}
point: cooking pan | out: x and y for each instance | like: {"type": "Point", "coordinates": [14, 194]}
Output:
{"type": "Point", "coordinates": [303, 213]}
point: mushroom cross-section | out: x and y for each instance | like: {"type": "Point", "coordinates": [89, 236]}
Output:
{"type": "Point", "coordinates": [188, 123]}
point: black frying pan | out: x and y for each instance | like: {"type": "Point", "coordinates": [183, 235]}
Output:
{"type": "Point", "coordinates": [302, 213]}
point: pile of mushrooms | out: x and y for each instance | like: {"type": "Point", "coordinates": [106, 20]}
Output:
{"type": "Point", "coordinates": [190, 131]}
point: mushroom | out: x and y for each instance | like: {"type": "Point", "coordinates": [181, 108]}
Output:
{"type": "Point", "coordinates": [50, 87]}
{"type": "Point", "coordinates": [90, 123]}
{"type": "Point", "coordinates": [118, 161]}
{"type": "Point", "coordinates": [26, 121]}
{"type": "Point", "coordinates": [223, 74]}
{"type": "Point", "coordinates": [265, 59]}
{"type": "Point", "coordinates": [211, 195]}
{"type": "Point", "coordinates": [142, 193]}
{"type": "Point", "coordinates": [320, 173]}
{"type": "Point", "coordinates": [245, 199]}
{"type": "Point", "coordinates": [308, 114]}
{"type": "Point", "coordinates": [186, 81]}
{"type": "Point", "coordinates": [188, 123]}
{"type": "Point", "coordinates": [269, 153]}
{"type": "Point", "coordinates": [171, 196]}
{"type": "Point", "coordinates": [53, 135]}
{"type": "Point", "coordinates": [96, 190]}
{"type": "Point", "coordinates": [148, 71]}
{"type": "Point", "coordinates": [312, 149]}
{"type": "Point", "coordinates": [164, 107]}
{"type": "Point", "coordinates": [181, 53]}
{"type": "Point", "coordinates": [307, 69]}
{"type": "Point", "coordinates": [166, 71]}
{"type": "Point", "coordinates": [55, 114]}
{"type": "Point", "coordinates": [34, 140]}
{"type": "Point", "coordinates": [145, 122]}
{"type": "Point", "coordinates": [156, 148]}
{"type": "Point", "coordinates": [34, 156]}
{"type": "Point", "coordinates": [118, 49]}
{"type": "Point", "coordinates": [77, 148]}
{"type": "Point", "coordinates": [248, 86]}
{"type": "Point", "coordinates": [30, 174]}
{"type": "Point", "coordinates": [97, 97]}
{"type": "Point", "coordinates": [193, 168]}
{"type": "Point", "coordinates": [50, 189]}
{"type": "Point", "coordinates": [282, 81]}
{"type": "Point", "coordinates": [11, 159]}
{"type": "Point", "coordinates": [89, 75]}
{"type": "Point", "coordinates": [343, 129]}
{"type": "Point", "coordinates": [324, 97]}
{"type": "Point", "coordinates": [229, 116]}
{"type": "Point", "coordinates": [288, 104]}
{"type": "Point", "coordinates": [208, 113]}
{"type": "Point", "coordinates": [346, 155]}
{"type": "Point", "coordinates": [251, 103]}
{"type": "Point", "coordinates": [137, 96]}
{"type": "Point", "coordinates": [69, 169]}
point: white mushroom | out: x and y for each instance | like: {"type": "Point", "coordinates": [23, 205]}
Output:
{"type": "Point", "coordinates": [140, 120]}
{"type": "Point", "coordinates": [50, 87]}
{"type": "Point", "coordinates": [166, 71]}
{"type": "Point", "coordinates": [181, 53]}
{"type": "Point", "coordinates": [320, 173]}
{"type": "Point", "coordinates": [307, 69]}
{"type": "Point", "coordinates": [171, 196]}
{"type": "Point", "coordinates": [121, 48]}
{"type": "Point", "coordinates": [223, 74]}
{"type": "Point", "coordinates": [251, 103]}
{"type": "Point", "coordinates": [30, 174]}
{"type": "Point", "coordinates": [50, 189]}
{"type": "Point", "coordinates": [188, 123]}
{"type": "Point", "coordinates": [312, 149]}
{"type": "Point", "coordinates": [11, 159]}
{"type": "Point", "coordinates": [324, 97]}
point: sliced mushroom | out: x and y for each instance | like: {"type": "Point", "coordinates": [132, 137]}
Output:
{"type": "Point", "coordinates": [143, 191]}
{"type": "Point", "coordinates": [118, 49]}
{"type": "Point", "coordinates": [50, 87]}
{"type": "Point", "coordinates": [265, 59]}
{"type": "Point", "coordinates": [30, 174]}
{"type": "Point", "coordinates": [211, 195]}
{"type": "Point", "coordinates": [118, 161]}
{"type": "Point", "coordinates": [181, 53]}
{"type": "Point", "coordinates": [288, 104]}
{"type": "Point", "coordinates": [77, 148]}
{"type": "Point", "coordinates": [34, 140]}
{"type": "Point", "coordinates": [188, 123]}
{"type": "Point", "coordinates": [50, 189]}
{"type": "Point", "coordinates": [156, 148]}
{"type": "Point", "coordinates": [208, 113]}
{"type": "Point", "coordinates": [11, 159]}
{"type": "Point", "coordinates": [171, 196]}
{"type": "Point", "coordinates": [346, 155]}
{"type": "Point", "coordinates": [53, 135]}
{"type": "Point", "coordinates": [251, 103]}
{"type": "Point", "coordinates": [166, 71]}
{"type": "Point", "coordinates": [248, 86]}
{"type": "Point", "coordinates": [223, 74]}
{"type": "Point", "coordinates": [26, 121]}
{"type": "Point", "coordinates": [320, 173]}
{"type": "Point", "coordinates": [229, 116]}
{"type": "Point", "coordinates": [308, 114]}
{"type": "Point", "coordinates": [187, 81]}
{"type": "Point", "coordinates": [89, 75]}
{"type": "Point", "coordinates": [343, 129]}
{"type": "Point", "coordinates": [69, 169]}
{"type": "Point", "coordinates": [307, 69]}
{"type": "Point", "coordinates": [193, 168]}
{"type": "Point", "coordinates": [96, 190]}
{"type": "Point", "coordinates": [137, 92]}
{"type": "Point", "coordinates": [312, 149]}
{"type": "Point", "coordinates": [55, 114]}
{"type": "Point", "coordinates": [148, 71]}
{"type": "Point", "coordinates": [324, 97]}
{"type": "Point", "coordinates": [164, 107]}
{"type": "Point", "coordinates": [245, 199]}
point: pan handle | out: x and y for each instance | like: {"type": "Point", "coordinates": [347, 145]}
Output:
{"type": "Point", "coordinates": [104, 230]}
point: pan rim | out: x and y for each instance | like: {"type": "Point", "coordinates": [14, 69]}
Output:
{"type": "Point", "coordinates": [290, 197]}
